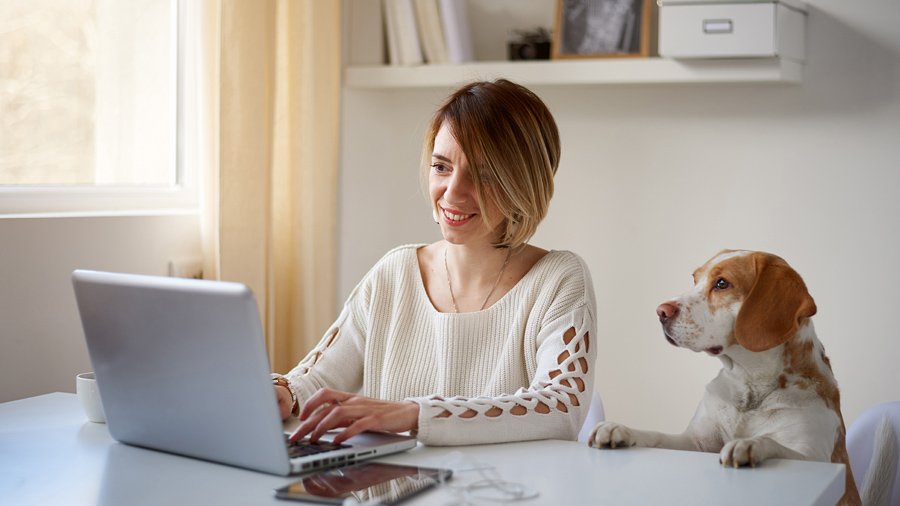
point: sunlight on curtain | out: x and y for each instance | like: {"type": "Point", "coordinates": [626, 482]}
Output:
{"type": "Point", "coordinates": [273, 160]}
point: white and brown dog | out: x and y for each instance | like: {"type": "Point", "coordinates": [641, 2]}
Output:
{"type": "Point", "coordinates": [776, 396]}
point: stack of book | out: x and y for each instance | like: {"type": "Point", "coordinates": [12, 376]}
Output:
{"type": "Point", "coordinates": [409, 32]}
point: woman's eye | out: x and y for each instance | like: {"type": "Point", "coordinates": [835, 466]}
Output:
{"type": "Point", "coordinates": [439, 167]}
{"type": "Point", "coordinates": [721, 284]}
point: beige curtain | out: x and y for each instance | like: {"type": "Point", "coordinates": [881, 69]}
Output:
{"type": "Point", "coordinates": [271, 179]}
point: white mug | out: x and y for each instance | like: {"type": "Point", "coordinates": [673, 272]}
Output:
{"type": "Point", "coordinates": [89, 396]}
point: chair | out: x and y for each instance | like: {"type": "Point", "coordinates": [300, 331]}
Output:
{"type": "Point", "coordinates": [861, 442]}
{"type": "Point", "coordinates": [595, 414]}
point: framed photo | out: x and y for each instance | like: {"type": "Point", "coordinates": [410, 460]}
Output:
{"type": "Point", "coordinates": [602, 29]}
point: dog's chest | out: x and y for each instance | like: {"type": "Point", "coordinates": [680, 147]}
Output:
{"type": "Point", "coordinates": [746, 418]}
{"type": "Point", "coordinates": [746, 409]}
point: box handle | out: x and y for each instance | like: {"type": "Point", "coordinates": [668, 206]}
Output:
{"type": "Point", "coordinates": [717, 26]}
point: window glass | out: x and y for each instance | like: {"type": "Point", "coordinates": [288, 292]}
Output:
{"type": "Point", "coordinates": [87, 93]}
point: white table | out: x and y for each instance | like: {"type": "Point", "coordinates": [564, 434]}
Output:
{"type": "Point", "coordinates": [51, 454]}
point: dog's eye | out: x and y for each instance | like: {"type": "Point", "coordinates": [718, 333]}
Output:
{"type": "Point", "coordinates": [721, 284]}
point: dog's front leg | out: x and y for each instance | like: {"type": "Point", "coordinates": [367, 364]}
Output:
{"type": "Point", "coordinates": [752, 451]}
{"type": "Point", "coordinates": [615, 435]}
{"type": "Point", "coordinates": [701, 435]}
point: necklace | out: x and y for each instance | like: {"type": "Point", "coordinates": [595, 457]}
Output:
{"type": "Point", "coordinates": [450, 287]}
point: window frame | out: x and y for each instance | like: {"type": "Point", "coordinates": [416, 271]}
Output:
{"type": "Point", "coordinates": [91, 200]}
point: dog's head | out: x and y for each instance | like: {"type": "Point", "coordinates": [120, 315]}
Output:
{"type": "Point", "coordinates": [749, 298]}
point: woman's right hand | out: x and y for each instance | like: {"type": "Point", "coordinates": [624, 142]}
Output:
{"type": "Point", "coordinates": [330, 409]}
{"type": "Point", "coordinates": [285, 401]}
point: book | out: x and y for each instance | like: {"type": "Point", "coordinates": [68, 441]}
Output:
{"type": "Point", "coordinates": [390, 32]}
{"type": "Point", "coordinates": [431, 32]}
{"type": "Point", "coordinates": [408, 44]}
{"type": "Point", "coordinates": [455, 18]}
{"type": "Point", "coordinates": [366, 33]}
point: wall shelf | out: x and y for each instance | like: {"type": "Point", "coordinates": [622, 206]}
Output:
{"type": "Point", "coordinates": [613, 71]}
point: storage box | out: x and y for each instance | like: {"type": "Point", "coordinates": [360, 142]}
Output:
{"type": "Point", "coordinates": [736, 29]}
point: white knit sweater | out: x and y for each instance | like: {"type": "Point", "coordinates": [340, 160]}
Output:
{"type": "Point", "coordinates": [390, 343]}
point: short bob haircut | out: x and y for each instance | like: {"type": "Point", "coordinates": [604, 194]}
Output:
{"type": "Point", "coordinates": [512, 145]}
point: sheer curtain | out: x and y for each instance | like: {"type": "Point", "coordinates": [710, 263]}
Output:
{"type": "Point", "coordinates": [269, 130]}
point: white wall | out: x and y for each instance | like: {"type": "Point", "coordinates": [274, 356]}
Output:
{"type": "Point", "coordinates": [42, 345]}
{"type": "Point", "coordinates": [654, 180]}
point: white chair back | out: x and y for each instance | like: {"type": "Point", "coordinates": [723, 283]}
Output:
{"type": "Point", "coordinates": [595, 414]}
{"type": "Point", "coordinates": [861, 443]}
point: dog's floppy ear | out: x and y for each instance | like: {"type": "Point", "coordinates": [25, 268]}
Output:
{"type": "Point", "coordinates": [777, 302]}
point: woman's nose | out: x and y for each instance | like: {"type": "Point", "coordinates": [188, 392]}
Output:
{"type": "Point", "coordinates": [459, 188]}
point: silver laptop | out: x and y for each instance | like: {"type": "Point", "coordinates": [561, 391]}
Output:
{"type": "Point", "coordinates": [181, 366]}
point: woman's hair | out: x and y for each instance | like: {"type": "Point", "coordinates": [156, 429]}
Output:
{"type": "Point", "coordinates": [512, 145]}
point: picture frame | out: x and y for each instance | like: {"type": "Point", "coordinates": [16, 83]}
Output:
{"type": "Point", "coordinates": [602, 29]}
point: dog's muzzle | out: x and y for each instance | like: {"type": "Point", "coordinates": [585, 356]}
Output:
{"type": "Point", "coordinates": [666, 313]}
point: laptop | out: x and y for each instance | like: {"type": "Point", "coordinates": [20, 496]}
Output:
{"type": "Point", "coordinates": [181, 367]}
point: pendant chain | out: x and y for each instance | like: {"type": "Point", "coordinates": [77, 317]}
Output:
{"type": "Point", "coordinates": [450, 286]}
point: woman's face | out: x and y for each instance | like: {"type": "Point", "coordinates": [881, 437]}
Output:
{"type": "Point", "coordinates": [453, 194]}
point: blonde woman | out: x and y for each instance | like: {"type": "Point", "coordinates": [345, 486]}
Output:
{"type": "Point", "coordinates": [477, 338]}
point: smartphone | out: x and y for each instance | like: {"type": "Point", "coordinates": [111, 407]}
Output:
{"type": "Point", "coordinates": [368, 481]}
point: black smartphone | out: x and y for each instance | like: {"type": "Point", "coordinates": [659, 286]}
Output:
{"type": "Point", "coordinates": [389, 483]}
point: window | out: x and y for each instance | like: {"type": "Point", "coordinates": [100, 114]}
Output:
{"type": "Point", "coordinates": [89, 106]}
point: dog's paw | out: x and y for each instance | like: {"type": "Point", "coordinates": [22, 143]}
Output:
{"type": "Point", "coordinates": [610, 434]}
{"type": "Point", "coordinates": [744, 452]}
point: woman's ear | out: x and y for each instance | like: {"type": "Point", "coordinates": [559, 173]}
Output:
{"type": "Point", "coordinates": [775, 307]}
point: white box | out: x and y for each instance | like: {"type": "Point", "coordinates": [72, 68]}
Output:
{"type": "Point", "coordinates": [716, 29]}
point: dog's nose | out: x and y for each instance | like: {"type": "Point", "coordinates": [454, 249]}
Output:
{"type": "Point", "coordinates": [666, 311]}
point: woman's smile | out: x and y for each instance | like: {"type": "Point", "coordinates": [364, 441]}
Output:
{"type": "Point", "coordinates": [455, 219]}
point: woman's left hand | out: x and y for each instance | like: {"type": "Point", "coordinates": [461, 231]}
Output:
{"type": "Point", "coordinates": [328, 409]}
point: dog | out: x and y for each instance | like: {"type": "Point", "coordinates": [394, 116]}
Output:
{"type": "Point", "coordinates": [776, 396]}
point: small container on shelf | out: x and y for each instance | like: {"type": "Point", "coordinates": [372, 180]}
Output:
{"type": "Point", "coordinates": [529, 45]}
{"type": "Point", "coordinates": [722, 29]}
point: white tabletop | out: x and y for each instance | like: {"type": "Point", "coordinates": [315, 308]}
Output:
{"type": "Point", "coordinates": [51, 454]}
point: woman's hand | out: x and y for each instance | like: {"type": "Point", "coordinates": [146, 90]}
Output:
{"type": "Point", "coordinates": [328, 409]}
{"type": "Point", "coordinates": [285, 401]}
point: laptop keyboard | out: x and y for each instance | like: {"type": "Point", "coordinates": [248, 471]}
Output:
{"type": "Point", "coordinates": [306, 447]}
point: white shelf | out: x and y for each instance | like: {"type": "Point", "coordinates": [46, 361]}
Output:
{"type": "Point", "coordinates": [581, 72]}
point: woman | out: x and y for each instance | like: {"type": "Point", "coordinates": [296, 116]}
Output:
{"type": "Point", "coordinates": [480, 337]}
